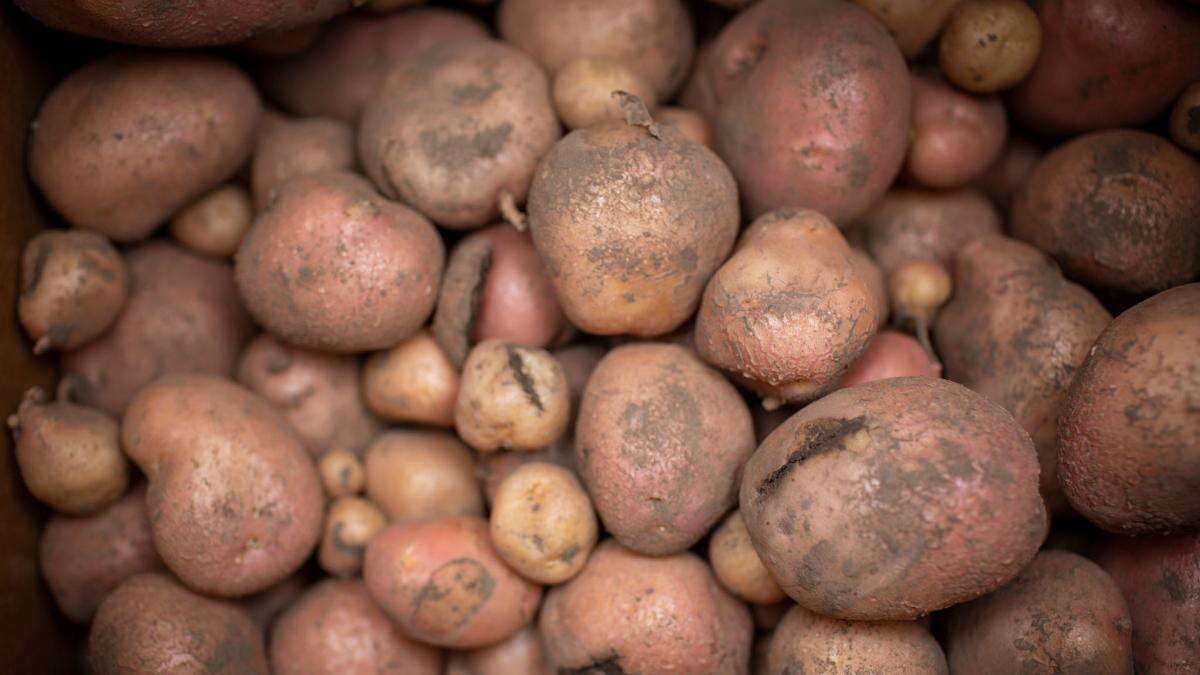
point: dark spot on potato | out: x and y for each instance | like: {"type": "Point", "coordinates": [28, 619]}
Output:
{"type": "Point", "coordinates": [569, 554]}
{"type": "Point", "coordinates": [819, 436]}
{"type": "Point", "coordinates": [454, 593]}
{"type": "Point", "coordinates": [517, 365]}
{"type": "Point", "coordinates": [1174, 586]}
{"type": "Point", "coordinates": [33, 275]}
{"type": "Point", "coordinates": [473, 93]}
{"type": "Point", "coordinates": [604, 665]}
{"type": "Point", "coordinates": [460, 300]}
{"type": "Point", "coordinates": [455, 152]}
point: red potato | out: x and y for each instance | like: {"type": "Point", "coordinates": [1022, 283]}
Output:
{"type": "Point", "coordinates": [805, 641]}
{"type": "Point", "coordinates": [215, 224]}
{"type": "Point", "coordinates": [956, 136]}
{"type": "Point", "coordinates": [914, 23]}
{"type": "Point", "coordinates": [891, 354]}
{"type": "Point", "coordinates": [909, 225]}
{"type": "Point", "coordinates": [521, 654]}
{"type": "Point", "coordinates": [299, 148]}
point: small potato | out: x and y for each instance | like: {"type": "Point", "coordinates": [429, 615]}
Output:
{"type": "Point", "coordinates": [299, 148]}
{"type": "Point", "coordinates": [316, 392]}
{"type": "Point", "coordinates": [215, 224]}
{"type": "Point", "coordinates": [69, 455]}
{"type": "Point", "coordinates": [1185, 119]}
{"type": "Point", "coordinates": [690, 123]}
{"type": "Point", "coordinates": [908, 225]}
{"type": "Point", "coordinates": [73, 286]}
{"type": "Point", "coordinates": [542, 523]}
{"type": "Point", "coordinates": [1007, 175]}
{"type": "Point", "coordinates": [737, 565]}
{"type": "Point", "coordinates": [956, 136]}
{"type": "Point", "coordinates": [128, 139]}
{"type": "Point", "coordinates": [583, 91]}
{"type": "Point", "coordinates": [805, 642]}
{"type": "Point", "coordinates": [350, 524]}
{"type": "Point", "coordinates": [914, 23]}
{"type": "Point", "coordinates": [891, 354]}
{"type": "Point", "coordinates": [151, 624]}
{"type": "Point", "coordinates": [342, 473]}
{"type": "Point", "coordinates": [412, 382]}
{"type": "Point", "coordinates": [414, 475]}
{"type": "Point", "coordinates": [630, 613]}
{"type": "Point", "coordinates": [990, 45]}
{"type": "Point", "coordinates": [82, 559]}
{"type": "Point", "coordinates": [494, 467]}
{"type": "Point", "coordinates": [511, 398]}
{"type": "Point", "coordinates": [441, 582]}
{"type": "Point", "coordinates": [521, 654]}
{"type": "Point", "coordinates": [336, 628]}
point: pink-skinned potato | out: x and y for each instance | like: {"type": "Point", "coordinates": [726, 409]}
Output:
{"type": "Point", "coordinates": [891, 354]}
{"type": "Point", "coordinates": [956, 135]}
{"type": "Point", "coordinates": [923, 225]}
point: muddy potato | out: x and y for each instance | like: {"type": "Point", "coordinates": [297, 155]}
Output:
{"type": "Point", "coordinates": [956, 136]}
{"type": "Point", "coordinates": [689, 123]}
{"type": "Point", "coordinates": [805, 641]}
{"type": "Point", "coordinates": [1005, 177]}
{"type": "Point", "coordinates": [792, 309]}
{"type": "Point", "coordinates": [152, 624]}
{"type": "Point", "coordinates": [1117, 209]}
{"type": "Point", "coordinates": [299, 148]}
{"type": "Point", "coordinates": [913, 23]}
{"type": "Point", "coordinates": [511, 397]}
{"type": "Point", "coordinates": [441, 582]}
{"type": "Point", "coordinates": [1128, 433]}
{"type": "Point", "coordinates": [414, 475]}
{"type": "Point", "coordinates": [1185, 119]}
{"type": "Point", "coordinates": [73, 286]}
{"type": "Point", "coordinates": [350, 524]}
{"type": "Point", "coordinates": [990, 45]}
{"type": "Point", "coordinates": [891, 354]}
{"type": "Point", "coordinates": [660, 441]}
{"type": "Point", "coordinates": [583, 91]}
{"type": "Point", "coordinates": [215, 224]}
{"type": "Point", "coordinates": [631, 613]}
{"type": "Point", "coordinates": [1016, 331]}
{"type": "Point", "coordinates": [234, 500]}
{"type": "Point", "coordinates": [130, 138]}
{"type": "Point", "coordinates": [542, 523]}
{"type": "Point", "coordinates": [908, 225]}
{"type": "Point", "coordinates": [183, 315]}
{"type": "Point", "coordinates": [458, 129]}
{"type": "Point", "coordinates": [412, 382]}
{"type": "Point", "coordinates": [342, 473]}
{"type": "Point", "coordinates": [521, 654]}
{"type": "Point", "coordinates": [316, 392]}
{"type": "Point", "coordinates": [737, 565]}
{"type": "Point", "coordinates": [334, 266]}
{"type": "Point", "coordinates": [948, 493]}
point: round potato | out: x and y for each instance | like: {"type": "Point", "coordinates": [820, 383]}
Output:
{"type": "Point", "coordinates": [737, 565]}
{"type": "Point", "coordinates": [908, 225]}
{"type": "Point", "coordinates": [806, 641]}
{"type": "Point", "coordinates": [955, 137]}
{"type": "Point", "coordinates": [350, 524]}
{"type": "Point", "coordinates": [492, 468]}
{"type": "Point", "coordinates": [342, 473]}
{"type": "Point", "coordinates": [215, 224]}
{"type": "Point", "coordinates": [542, 523]}
{"type": "Point", "coordinates": [891, 354]}
{"type": "Point", "coordinates": [414, 475]}
{"type": "Point", "coordinates": [412, 382]}
{"type": "Point", "coordinates": [511, 398]}
{"type": "Point", "coordinates": [990, 45]}
{"type": "Point", "coordinates": [583, 91]}
{"type": "Point", "coordinates": [299, 148]}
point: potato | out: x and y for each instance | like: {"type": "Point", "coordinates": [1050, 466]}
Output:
{"type": "Point", "coordinates": [908, 225]}
{"type": "Point", "coordinates": [351, 60]}
{"type": "Point", "coordinates": [630, 613]}
{"type": "Point", "coordinates": [492, 468]}
{"type": "Point", "coordinates": [1062, 614]}
{"type": "Point", "coordinates": [316, 392]}
{"type": "Point", "coordinates": [336, 628]}
{"type": "Point", "coordinates": [578, 361]}
{"type": "Point", "coordinates": [689, 123]}
{"type": "Point", "coordinates": [457, 129]}
{"type": "Point", "coordinates": [583, 91]}
{"type": "Point", "coordinates": [990, 45]}
{"type": "Point", "coordinates": [956, 136]}
{"type": "Point", "coordinates": [151, 624]}
{"type": "Point", "coordinates": [914, 23]}
{"type": "Point", "coordinates": [130, 138]}
{"type": "Point", "coordinates": [653, 38]}
{"type": "Point", "coordinates": [1005, 177]}
{"type": "Point", "coordinates": [1160, 578]}
{"type": "Point", "coordinates": [414, 475]}
{"type": "Point", "coordinates": [342, 473]}
{"type": "Point", "coordinates": [737, 565]}
{"type": "Point", "coordinates": [1185, 119]}
{"type": "Point", "coordinates": [334, 266]}
{"type": "Point", "coordinates": [350, 524]}
{"type": "Point", "coordinates": [412, 382]}
{"type": "Point", "coordinates": [234, 500]}
{"type": "Point", "coordinates": [441, 582]}
{"type": "Point", "coordinates": [542, 523]}
{"type": "Point", "coordinates": [82, 559]}
{"type": "Point", "coordinates": [511, 398]}
{"type": "Point", "coordinates": [1128, 442]}
{"type": "Point", "coordinates": [660, 440]}
{"type": "Point", "coordinates": [805, 641]}
{"type": "Point", "coordinates": [299, 148]}
{"type": "Point", "coordinates": [1117, 209]}
{"type": "Point", "coordinates": [945, 484]}
{"type": "Point", "coordinates": [890, 354]}
{"type": "Point", "coordinates": [630, 223]}
{"type": "Point", "coordinates": [772, 85]}
{"type": "Point", "coordinates": [73, 286]}
{"type": "Point", "coordinates": [215, 224]}
{"type": "Point", "coordinates": [183, 315]}
{"type": "Point", "coordinates": [521, 654]}
{"type": "Point", "coordinates": [69, 455]}
{"type": "Point", "coordinates": [1017, 332]}
{"type": "Point", "coordinates": [792, 309]}
{"type": "Point", "coordinates": [1107, 63]}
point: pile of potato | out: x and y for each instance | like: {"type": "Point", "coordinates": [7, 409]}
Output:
{"type": "Point", "coordinates": [622, 336]}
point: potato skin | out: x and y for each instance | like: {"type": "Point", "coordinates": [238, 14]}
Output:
{"type": "Point", "coordinates": [990, 45]}
{"type": "Point", "coordinates": [130, 138]}
{"type": "Point", "coordinates": [332, 265]}
{"type": "Point", "coordinates": [520, 654]}
{"type": "Point", "coordinates": [234, 500]}
{"type": "Point", "coordinates": [215, 224]}
{"type": "Point", "coordinates": [336, 628]}
{"type": "Point", "coordinates": [947, 488]}
{"type": "Point", "coordinates": [909, 225]}
{"type": "Point", "coordinates": [412, 382]}
{"type": "Point", "coordinates": [1016, 331]}
{"type": "Point", "coordinates": [956, 136]}
{"type": "Point", "coordinates": [913, 23]}
{"type": "Point", "coordinates": [582, 91]}
{"type": "Point", "coordinates": [1117, 209]}
{"type": "Point", "coordinates": [511, 398]}
{"type": "Point", "coordinates": [1062, 614]}
{"type": "Point", "coordinates": [415, 474]}
{"type": "Point", "coordinates": [737, 566]}
{"type": "Point", "coordinates": [299, 148]}
{"type": "Point", "coordinates": [890, 354]}
{"type": "Point", "coordinates": [805, 641]}
{"type": "Point", "coordinates": [1129, 432]}
{"type": "Point", "coordinates": [630, 613]}
{"type": "Point", "coordinates": [660, 441]}
{"type": "Point", "coordinates": [152, 624]}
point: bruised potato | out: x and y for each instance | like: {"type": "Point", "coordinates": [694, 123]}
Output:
{"type": "Point", "coordinates": [737, 565]}
{"type": "Point", "coordinates": [215, 224]}
{"type": "Point", "coordinates": [414, 475]}
{"type": "Point", "coordinates": [805, 641]}
{"type": "Point", "coordinates": [350, 524]}
{"type": "Point", "coordinates": [412, 382]}
{"type": "Point", "coordinates": [583, 91]}
{"type": "Point", "coordinates": [299, 148]}
{"type": "Point", "coordinates": [511, 398]}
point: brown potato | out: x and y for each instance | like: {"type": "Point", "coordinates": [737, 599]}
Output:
{"type": "Point", "coordinates": [956, 136]}
{"type": "Point", "coordinates": [1062, 614]}
{"type": "Point", "coordinates": [299, 148]}
{"type": "Point", "coordinates": [183, 315]}
{"type": "Point", "coordinates": [414, 475]}
{"type": "Point", "coordinates": [73, 286]}
{"type": "Point", "coordinates": [583, 91]}
{"type": "Point", "coordinates": [805, 642]}
{"type": "Point", "coordinates": [441, 582]}
{"type": "Point", "coordinates": [458, 127]}
{"type": "Point", "coordinates": [342, 473]}
{"type": "Point", "coordinates": [492, 468]}
{"type": "Point", "coordinates": [890, 354]}
{"type": "Point", "coordinates": [69, 455]}
{"type": "Point", "coordinates": [1185, 119]}
{"type": "Point", "coordinates": [1128, 441]}
{"type": "Point", "coordinates": [316, 392]}
{"type": "Point", "coordinates": [151, 624]}
{"type": "Point", "coordinates": [336, 628]}
{"type": "Point", "coordinates": [215, 224]}
{"type": "Point", "coordinates": [660, 440]}
{"type": "Point", "coordinates": [630, 613]}
{"type": "Point", "coordinates": [946, 487]}
{"type": "Point", "coordinates": [511, 398]}
{"type": "Point", "coordinates": [990, 45]}
{"type": "Point", "coordinates": [1005, 177]}
{"type": "Point", "coordinates": [1117, 209]}
{"type": "Point", "coordinates": [412, 382]}
{"type": "Point", "coordinates": [521, 654]}
{"type": "Point", "coordinates": [234, 499]}
{"type": "Point", "coordinates": [350, 524]}
{"type": "Point", "coordinates": [130, 138]}
{"type": "Point", "coordinates": [542, 523]}
{"type": "Point", "coordinates": [737, 565]}
{"type": "Point", "coordinates": [82, 559]}
{"type": "Point", "coordinates": [332, 265]}
{"type": "Point", "coordinates": [914, 23]}
{"type": "Point", "coordinates": [792, 309]}
{"type": "Point", "coordinates": [690, 123]}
